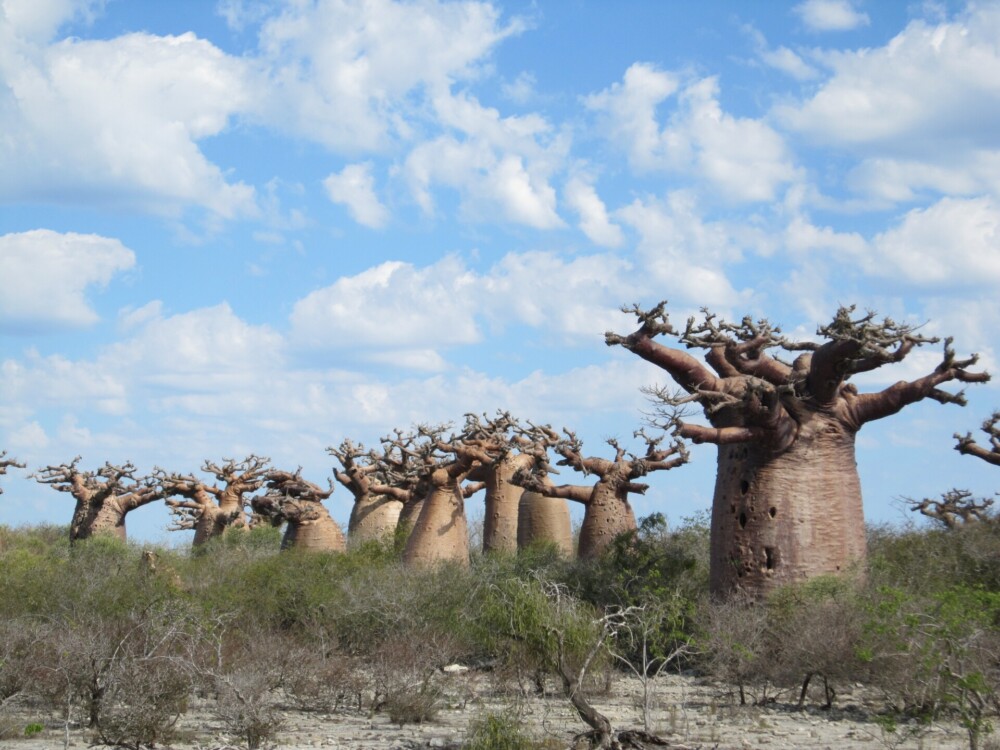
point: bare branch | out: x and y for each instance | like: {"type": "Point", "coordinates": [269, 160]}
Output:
{"type": "Point", "coordinates": [955, 508]}
{"type": "Point", "coordinates": [968, 446]}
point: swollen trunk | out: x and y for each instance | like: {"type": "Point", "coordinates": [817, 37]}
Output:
{"type": "Point", "coordinates": [542, 519]}
{"type": "Point", "coordinates": [440, 533]}
{"type": "Point", "coordinates": [778, 518]}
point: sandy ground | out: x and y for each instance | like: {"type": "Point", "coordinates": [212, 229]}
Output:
{"type": "Point", "coordinates": [687, 712]}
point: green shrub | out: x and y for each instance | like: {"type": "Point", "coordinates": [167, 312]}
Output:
{"type": "Point", "coordinates": [498, 732]}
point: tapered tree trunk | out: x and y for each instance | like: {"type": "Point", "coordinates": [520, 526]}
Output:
{"type": "Point", "coordinates": [502, 501]}
{"type": "Point", "coordinates": [218, 520]}
{"type": "Point", "coordinates": [784, 517]}
{"type": "Point", "coordinates": [373, 518]}
{"type": "Point", "coordinates": [410, 512]}
{"type": "Point", "coordinates": [542, 519]}
{"type": "Point", "coordinates": [608, 514]}
{"type": "Point", "coordinates": [90, 520]}
{"type": "Point", "coordinates": [441, 533]}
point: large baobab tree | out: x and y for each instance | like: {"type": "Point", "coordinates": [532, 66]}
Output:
{"type": "Point", "coordinates": [787, 499]}
{"type": "Point", "coordinates": [374, 515]}
{"type": "Point", "coordinates": [607, 512]}
{"type": "Point", "coordinates": [970, 447]}
{"type": "Point", "coordinates": [103, 497]}
{"type": "Point", "coordinates": [544, 520]}
{"type": "Point", "coordinates": [213, 509]}
{"type": "Point", "coordinates": [5, 463]}
{"type": "Point", "coordinates": [298, 503]}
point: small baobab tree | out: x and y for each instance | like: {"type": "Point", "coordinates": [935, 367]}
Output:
{"type": "Point", "coordinates": [970, 447]}
{"type": "Point", "coordinates": [787, 501]}
{"type": "Point", "coordinates": [103, 497]}
{"type": "Point", "coordinates": [298, 503]}
{"type": "Point", "coordinates": [213, 509]}
{"type": "Point", "coordinates": [5, 463]}
{"type": "Point", "coordinates": [607, 512]}
{"type": "Point", "coordinates": [955, 508]}
{"type": "Point", "coordinates": [374, 515]}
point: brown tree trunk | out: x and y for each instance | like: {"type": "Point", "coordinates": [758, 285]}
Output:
{"type": "Point", "coordinates": [410, 512]}
{"type": "Point", "coordinates": [607, 515]}
{"type": "Point", "coordinates": [782, 517]}
{"type": "Point", "coordinates": [502, 502]}
{"type": "Point", "coordinates": [106, 519]}
{"type": "Point", "coordinates": [542, 519]}
{"type": "Point", "coordinates": [440, 533]}
{"type": "Point", "coordinates": [373, 518]}
{"type": "Point", "coordinates": [321, 534]}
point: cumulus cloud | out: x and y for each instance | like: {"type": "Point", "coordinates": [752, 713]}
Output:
{"type": "Point", "coordinates": [393, 306]}
{"type": "Point", "coordinates": [45, 275]}
{"type": "Point", "coordinates": [830, 15]}
{"type": "Point", "coordinates": [500, 166]}
{"type": "Point", "coordinates": [342, 73]}
{"type": "Point", "coordinates": [79, 118]}
{"type": "Point", "coordinates": [594, 221]}
{"type": "Point", "coordinates": [683, 257]}
{"type": "Point", "coordinates": [952, 242]}
{"type": "Point", "coordinates": [40, 19]}
{"type": "Point", "coordinates": [354, 187]}
{"type": "Point", "coordinates": [913, 95]}
{"type": "Point", "coordinates": [742, 158]}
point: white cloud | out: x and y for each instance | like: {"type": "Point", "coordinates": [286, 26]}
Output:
{"type": "Point", "coordinates": [830, 15]}
{"type": "Point", "coordinates": [80, 119]}
{"type": "Point", "coordinates": [594, 221]}
{"type": "Point", "coordinates": [393, 305]}
{"type": "Point", "coordinates": [681, 256]}
{"type": "Point", "coordinates": [44, 277]}
{"type": "Point", "coordinates": [790, 63]}
{"type": "Point", "coordinates": [914, 95]}
{"type": "Point", "coordinates": [40, 19]}
{"type": "Point", "coordinates": [953, 242]}
{"type": "Point", "coordinates": [521, 90]}
{"type": "Point", "coordinates": [342, 72]}
{"type": "Point", "coordinates": [354, 187]}
{"type": "Point", "coordinates": [743, 159]}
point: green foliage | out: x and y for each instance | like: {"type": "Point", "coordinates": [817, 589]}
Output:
{"type": "Point", "coordinates": [30, 730]}
{"type": "Point", "coordinates": [494, 731]}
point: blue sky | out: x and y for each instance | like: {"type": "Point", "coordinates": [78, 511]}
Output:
{"type": "Point", "coordinates": [267, 226]}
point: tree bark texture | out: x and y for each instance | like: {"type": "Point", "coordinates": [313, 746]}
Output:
{"type": "Point", "coordinates": [441, 532]}
{"type": "Point", "coordinates": [542, 519]}
{"type": "Point", "coordinates": [783, 517]}
{"type": "Point", "coordinates": [373, 518]}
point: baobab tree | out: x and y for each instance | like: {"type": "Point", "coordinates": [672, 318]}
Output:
{"type": "Point", "coordinates": [955, 508]}
{"type": "Point", "coordinates": [103, 497]}
{"type": "Point", "coordinates": [607, 512]}
{"type": "Point", "coordinates": [787, 498]}
{"type": "Point", "coordinates": [213, 509]}
{"type": "Point", "coordinates": [970, 447]}
{"type": "Point", "coordinates": [374, 515]}
{"type": "Point", "coordinates": [441, 533]}
{"type": "Point", "coordinates": [7, 462]}
{"type": "Point", "coordinates": [298, 503]}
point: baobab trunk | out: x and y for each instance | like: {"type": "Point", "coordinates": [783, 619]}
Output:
{"type": "Point", "coordinates": [373, 518]}
{"type": "Point", "coordinates": [321, 534]}
{"type": "Point", "coordinates": [544, 520]}
{"type": "Point", "coordinates": [608, 514]}
{"type": "Point", "coordinates": [787, 516]}
{"type": "Point", "coordinates": [441, 532]}
{"type": "Point", "coordinates": [502, 501]}
{"type": "Point", "coordinates": [107, 519]}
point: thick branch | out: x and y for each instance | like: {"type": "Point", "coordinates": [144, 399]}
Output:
{"type": "Point", "coordinates": [871, 406]}
{"type": "Point", "coordinates": [969, 447]}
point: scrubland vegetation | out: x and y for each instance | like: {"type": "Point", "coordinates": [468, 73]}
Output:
{"type": "Point", "coordinates": [121, 639]}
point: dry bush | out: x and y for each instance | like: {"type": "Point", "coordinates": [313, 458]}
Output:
{"type": "Point", "coordinates": [736, 644]}
{"type": "Point", "coordinates": [816, 629]}
{"type": "Point", "coordinates": [323, 678]}
{"type": "Point", "coordinates": [407, 678]}
{"type": "Point", "coordinates": [245, 670]}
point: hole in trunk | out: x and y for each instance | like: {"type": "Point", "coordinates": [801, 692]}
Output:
{"type": "Point", "coordinates": [772, 512]}
{"type": "Point", "coordinates": [744, 487]}
{"type": "Point", "coordinates": [743, 520]}
{"type": "Point", "coordinates": [769, 558]}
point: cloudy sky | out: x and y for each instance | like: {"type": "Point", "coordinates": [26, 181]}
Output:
{"type": "Point", "coordinates": [262, 227]}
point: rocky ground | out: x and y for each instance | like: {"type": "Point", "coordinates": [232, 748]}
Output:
{"type": "Point", "coordinates": [687, 712]}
